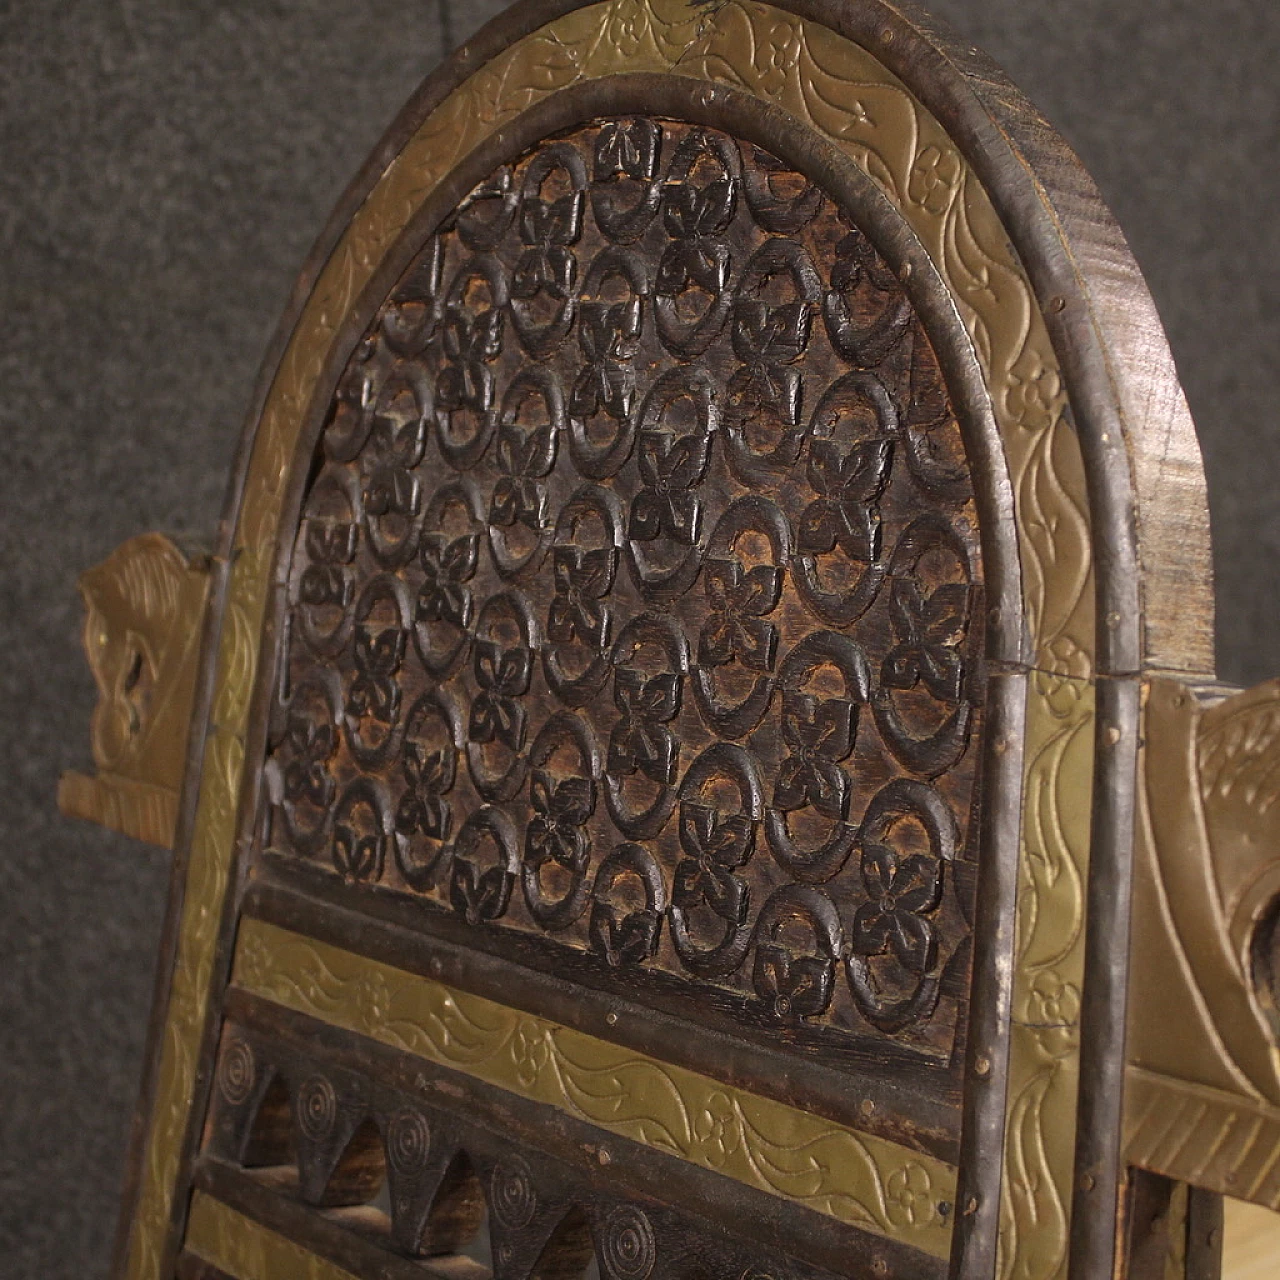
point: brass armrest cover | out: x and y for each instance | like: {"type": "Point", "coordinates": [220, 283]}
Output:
{"type": "Point", "coordinates": [1203, 1080]}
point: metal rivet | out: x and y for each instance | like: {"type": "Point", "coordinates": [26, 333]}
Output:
{"type": "Point", "coordinates": [611, 1019]}
{"type": "Point", "coordinates": [868, 1107]}
{"type": "Point", "coordinates": [1057, 303]}
{"type": "Point", "coordinates": [603, 1156]}
{"type": "Point", "coordinates": [983, 1065]}
{"type": "Point", "coordinates": [1087, 1182]}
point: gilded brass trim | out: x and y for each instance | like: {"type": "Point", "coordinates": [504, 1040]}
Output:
{"type": "Point", "coordinates": [1048, 978]}
{"type": "Point", "coordinates": [249, 1251]}
{"type": "Point", "coordinates": [853, 1177]}
{"type": "Point", "coordinates": [829, 85]}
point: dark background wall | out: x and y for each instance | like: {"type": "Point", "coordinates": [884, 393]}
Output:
{"type": "Point", "coordinates": [164, 167]}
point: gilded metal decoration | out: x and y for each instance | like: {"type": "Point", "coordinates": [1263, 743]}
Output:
{"type": "Point", "coordinates": [144, 606]}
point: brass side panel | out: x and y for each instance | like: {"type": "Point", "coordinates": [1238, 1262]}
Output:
{"type": "Point", "coordinates": [1203, 1085]}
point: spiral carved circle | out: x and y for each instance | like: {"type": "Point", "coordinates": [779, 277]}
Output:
{"type": "Point", "coordinates": [628, 1250]}
{"type": "Point", "coordinates": [408, 1142]}
{"type": "Point", "coordinates": [317, 1108]}
{"type": "Point", "coordinates": [514, 1199]}
{"type": "Point", "coordinates": [237, 1072]}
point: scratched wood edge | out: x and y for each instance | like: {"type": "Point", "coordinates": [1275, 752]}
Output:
{"type": "Point", "coordinates": [528, 16]}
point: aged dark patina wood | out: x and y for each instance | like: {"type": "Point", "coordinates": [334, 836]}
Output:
{"type": "Point", "coordinates": [674, 664]}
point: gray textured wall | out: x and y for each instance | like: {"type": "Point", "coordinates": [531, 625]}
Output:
{"type": "Point", "coordinates": [163, 170]}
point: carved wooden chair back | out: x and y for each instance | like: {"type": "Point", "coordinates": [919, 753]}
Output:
{"type": "Point", "coordinates": [664, 791]}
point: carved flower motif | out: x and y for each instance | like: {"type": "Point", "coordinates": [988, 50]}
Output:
{"type": "Point", "coordinates": [935, 177]}
{"type": "Point", "coordinates": [557, 831]}
{"type": "Point", "coordinates": [908, 1198]}
{"type": "Point", "coordinates": [423, 810]}
{"type": "Point", "coordinates": [797, 986]}
{"type": "Point", "coordinates": [818, 733]}
{"type": "Point", "coordinates": [739, 598]}
{"type": "Point", "coordinates": [374, 691]}
{"type": "Point", "coordinates": [623, 940]}
{"type": "Point", "coordinates": [670, 466]}
{"type": "Point", "coordinates": [607, 333]}
{"type": "Point", "coordinates": [358, 849]}
{"type": "Point", "coordinates": [582, 577]}
{"type": "Point", "coordinates": [306, 776]}
{"type": "Point", "coordinates": [640, 742]}
{"type": "Point", "coordinates": [846, 512]}
{"type": "Point", "coordinates": [548, 227]}
{"type": "Point", "coordinates": [477, 893]}
{"type": "Point", "coordinates": [470, 342]}
{"type": "Point", "coordinates": [901, 891]}
{"type": "Point", "coordinates": [930, 630]}
{"type": "Point", "coordinates": [523, 457]}
{"type": "Point", "coordinates": [503, 675]}
{"type": "Point", "coordinates": [627, 147]}
{"type": "Point", "coordinates": [716, 846]}
{"type": "Point", "coordinates": [718, 1128]}
{"type": "Point", "coordinates": [447, 565]}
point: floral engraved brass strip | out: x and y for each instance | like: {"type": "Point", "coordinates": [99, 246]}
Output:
{"type": "Point", "coordinates": [247, 1250]}
{"type": "Point", "coordinates": [830, 85]}
{"type": "Point", "coordinates": [856, 1178]}
{"type": "Point", "coordinates": [1048, 978]}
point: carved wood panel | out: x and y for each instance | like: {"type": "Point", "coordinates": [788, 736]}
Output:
{"type": "Point", "coordinates": [634, 607]}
